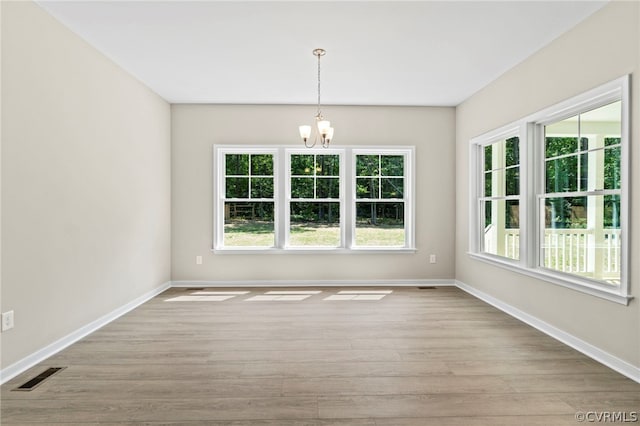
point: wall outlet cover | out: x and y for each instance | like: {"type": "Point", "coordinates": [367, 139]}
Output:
{"type": "Point", "coordinates": [7, 320]}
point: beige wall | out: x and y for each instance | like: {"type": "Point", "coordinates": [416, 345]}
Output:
{"type": "Point", "coordinates": [602, 48]}
{"type": "Point", "coordinates": [195, 128]}
{"type": "Point", "coordinates": [85, 183]}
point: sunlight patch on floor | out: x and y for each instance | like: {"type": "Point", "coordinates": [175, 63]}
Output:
{"type": "Point", "coordinates": [279, 295]}
{"type": "Point", "coordinates": [283, 297]}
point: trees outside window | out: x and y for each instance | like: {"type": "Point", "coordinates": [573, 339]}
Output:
{"type": "Point", "coordinates": [291, 199]}
{"type": "Point", "coordinates": [380, 200]}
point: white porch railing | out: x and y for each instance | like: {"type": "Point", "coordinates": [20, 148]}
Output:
{"type": "Point", "coordinates": [567, 250]}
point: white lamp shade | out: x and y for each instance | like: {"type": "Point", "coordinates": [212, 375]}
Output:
{"type": "Point", "coordinates": [324, 126]}
{"type": "Point", "coordinates": [329, 133]}
{"type": "Point", "coordinates": [305, 132]}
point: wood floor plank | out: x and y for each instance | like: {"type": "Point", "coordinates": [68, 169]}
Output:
{"type": "Point", "coordinates": [416, 385]}
{"type": "Point", "coordinates": [327, 368]}
{"type": "Point", "coordinates": [415, 357]}
{"type": "Point", "coordinates": [162, 409]}
{"type": "Point", "coordinates": [552, 420]}
{"type": "Point", "coordinates": [151, 389]}
{"type": "Point", "coordinates": [445, 405]}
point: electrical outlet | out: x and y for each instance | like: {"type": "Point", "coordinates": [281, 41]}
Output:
{"type": "Point", "coordinates": [7, 320]}
{"type": "Point", "coordinates": [432, 258]}
{"type": "Point", "coordinates": [198, 260]}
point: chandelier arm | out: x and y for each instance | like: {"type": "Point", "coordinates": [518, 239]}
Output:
{"type": "Point", "coordinates": [315, 139]}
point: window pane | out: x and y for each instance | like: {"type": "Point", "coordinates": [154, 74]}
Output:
{"type": "Point", "coordinates": [315, 224]}
{"type": "Point", "coordinates": [237, 164]}
{"type": "Point", "coordinates": [392, 187]}
{"type": "Point", "coordinates": [261, 187]}
{"type": "Point", "coordinates": [583, 168]}
{"type": "Point", "coordinates": [367, 165]}
{"type": "Point", "coordinates": [237, 188]}
{"type": "Point", "coordinates": [512, 151]}
{"type": "Point", "coordinates": [392, 165]}
{"type": "Point", "coordinates": [512, 183]}
{"type": "Point", "coordinates": [561, 174]}
{"type": "Point", "coordinates": [328, 165]}
{"type": "Point", "coordinates": [328, 188]}
{"type": "Point", "coordinates": [612, 168]}
{"type": "Point", "coordinates": [611, 141]}
{"type": "Point", "coordinates": [367, 188]}
{"type": "Point", "coordinates": [302, 164]}
{"type": "Point", "coordinates": [249, 224]}
{"type": "Point", "coordinates": [612, 211]}
{"type": "Point", "coordinates": [556, 146]}
{"type": "Point", "coordinates": [380, 225]}
{"type": "Point", "coordinates": [566, 212]}
{"type": "Point", "coordinates": [487, 183]}
{"type": "Point", "coordinates": [262, 165]}
{"type": "Point", "coordinates": [585, 241]}
{"type": "Point", "coordinates": [501, 233]}
{"type": "Point", "coordinates": [487, 158]}
{"type": "Point", "coordinates": [302, 187]}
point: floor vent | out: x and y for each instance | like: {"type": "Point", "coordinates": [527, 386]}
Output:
{"type": "Point", "coordinates": [427, 288]}
{"type": "Point", "coordinates": [195, 289]}
{"type": "Point", "coordinates": [37, 381]}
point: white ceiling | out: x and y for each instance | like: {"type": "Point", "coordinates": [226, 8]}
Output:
{"type": "Point", "coordinates": [378, 52]}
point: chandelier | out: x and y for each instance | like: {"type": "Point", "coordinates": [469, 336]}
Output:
{"type": "Point", "coordinates": [323, 129]}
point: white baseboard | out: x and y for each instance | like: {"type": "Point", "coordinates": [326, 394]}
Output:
{"type": "Point", "coordinates": [611, 361]}
{"type": "Point", "coordinates": [315, 283]}
{"type": "Point", "coordinates": [29, 361]}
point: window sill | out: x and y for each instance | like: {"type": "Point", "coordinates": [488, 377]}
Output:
{"type": "Point", "coordinates": [575, 283]}
{"type": "Point", "coordinates": [314, 250]}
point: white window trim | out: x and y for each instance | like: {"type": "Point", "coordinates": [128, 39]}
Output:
{"type": "Point", "coordinates": [282, 199]}
{"type": "Point", "coordinates": [476, 186]}
{"type": "Point", "coordinates": [529, 130]}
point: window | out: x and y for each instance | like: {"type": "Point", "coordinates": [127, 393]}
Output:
{"type": "Point", "coordinates": [249, 199]}
{"type": "Point", "coordinates": [580, 226]}
{"type": "Point", "coordinates": [284, 199]}
{"type": "Point", "coordinates": [380, 205]}
{"type": "Point", "coordinates": [315, 202]}
{"type": "Point", "coordinates": [499, 201]}
{"type": "Point", "coordinates": [549, 193]}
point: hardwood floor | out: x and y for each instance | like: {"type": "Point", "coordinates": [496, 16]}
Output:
{"type": "Point", "coordinates": [413, 357]}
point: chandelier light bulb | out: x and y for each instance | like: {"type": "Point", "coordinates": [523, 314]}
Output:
{"type": "Point", "coordinates": [329, 135]}
{"type": "Point", "coordinates": [323, 127]}
{"type": "Point", "coordinates": [305, 132]}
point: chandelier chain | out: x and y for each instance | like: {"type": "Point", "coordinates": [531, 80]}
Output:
{"type": "Point", "coordinates": [319, 85]}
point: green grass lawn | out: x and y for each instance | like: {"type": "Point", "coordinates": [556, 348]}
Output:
{"type": "Point", "coordinates": [380, 236]}
{"type": "Point", "coordinates": [314, 235]}
{"type": "Point", "coordinates": [261, 234]}
{"type": "Point", "coordinates": [249, 234]}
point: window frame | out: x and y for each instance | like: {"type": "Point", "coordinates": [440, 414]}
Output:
{"type": "Point", "coordinates": [282, 198]}
{"type": "Point", "coordinates": [532, 187]}
{"type": "Point", "coordinates": [407, 196]}
{"type": "Point", "coordinates": [478, 169]}
{"type": "Point", "coordinates": [219, 191]}
{"type": "Point", "coordinates": [286, 244]}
